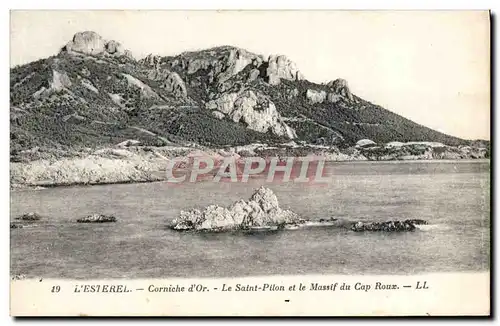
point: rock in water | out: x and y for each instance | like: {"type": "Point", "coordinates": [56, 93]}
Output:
{"type": "Point", "coordinates": [390, 226]}
{"type": "Point", "coordinates": [97, 218]}
{"type": "Point", "coordinates": [261, 210]}
{"type": "Point", "coordinates": [416, 221]}
{"type": "Point", "coordinates": [31, 216]}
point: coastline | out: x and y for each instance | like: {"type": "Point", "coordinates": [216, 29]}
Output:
{"type": "Point", "coordinates": [39, 175]}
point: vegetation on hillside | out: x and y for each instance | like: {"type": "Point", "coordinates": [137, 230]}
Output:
{"type": "Point", "coordinates": [102, 107]}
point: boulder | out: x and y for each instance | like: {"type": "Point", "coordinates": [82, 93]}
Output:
{"type": "Point", "coordinates": [219, 115]}
{"type": "Point", "coordinates": [260, 211]}
{"type": "Point", "coordinates": [87, 42]}
{"type": "Point", "coordinates": [113, 47]}
{"type": "Point", "coordinates": [97, 218]}
{"type": "Point", "coordinates": [91, 43]}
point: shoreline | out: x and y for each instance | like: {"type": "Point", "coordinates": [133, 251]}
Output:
{"type": "Point", "coordinates": [158, 175]}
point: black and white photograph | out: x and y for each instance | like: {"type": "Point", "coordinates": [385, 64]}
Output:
{"type": "Point", "coordinates": [238, 144]}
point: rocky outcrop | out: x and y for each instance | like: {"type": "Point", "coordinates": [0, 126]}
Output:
{"type": "Point", "coordinates": [115, 48]}
{"type": "Point", "coordinates": [59, 82]}
{"type": "Point", "coordinates": [253, 75]}
{"type": "Point", "coordinates": [91, 43]}
{"type": "Point", "coordinates": [390, 226]}
{"type": "Point", "coordinates": [146, 91]}
{"type": "Point", "coordinates": [170, 81]}
{"type": "Point", "coordinates": [417, 221]}
{"type": "Point", "coordinates": [340, 86]}
{"type": "Point", "coordinates": [333, 98]}
{"type": "Point", "coordinates": [31, 216]}
{"type": "Point", "coordinates": [174, 84]}
{"type": "Point", "coordinates": [221, 63]}
{"type": "Point", "coordinates": [260, 211]}
{"type": "Point", "coordinates": [97, 218]}
{"type": "Point", "coordinates": [365, 143]}
{"type": "Point", "coordinates": [253, 109]}
{"type": "Point", "coordinates": [280, 67]}
{"type": "Point", "coordinates": [151, 60]}
{"type": "Point", "coordinates": [315, 96]}
{"type": "Point", "coordinates": [88, 85]}
{"type": "Point", "coordinates": [237, 60]}
{"type": "Point", "coordinates": [16, 226]}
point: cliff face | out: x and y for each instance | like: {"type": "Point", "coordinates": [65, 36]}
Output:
{"type": "Point", "coordinates": [95, 94]}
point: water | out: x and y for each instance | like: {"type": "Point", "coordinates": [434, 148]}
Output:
{"type": "Point", "coordinates": [453, 196]}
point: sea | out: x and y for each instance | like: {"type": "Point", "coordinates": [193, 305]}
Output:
{"type": "Point", "coordinates": [453, 196]}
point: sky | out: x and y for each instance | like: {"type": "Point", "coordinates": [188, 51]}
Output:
{"type": "Point", "coordinates": [429, 66]}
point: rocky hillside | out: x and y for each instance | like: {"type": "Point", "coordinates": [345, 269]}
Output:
{"type": "Point", "coordinates": [94, 93]}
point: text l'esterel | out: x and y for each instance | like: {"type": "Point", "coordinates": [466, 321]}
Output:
{"type": "Point", "coordinates": [101, 288]}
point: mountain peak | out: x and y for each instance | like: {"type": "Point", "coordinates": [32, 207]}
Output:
{"type": "Point", "coordinates": [223, 95]}
{"type": "Point", "coordinates": [91, 43]}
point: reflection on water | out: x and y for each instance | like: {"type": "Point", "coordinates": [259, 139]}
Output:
{"type": "Point", "coordinates": [453, 197]}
